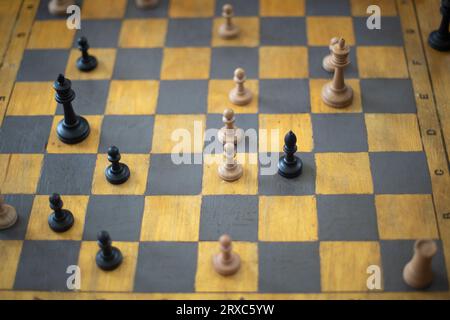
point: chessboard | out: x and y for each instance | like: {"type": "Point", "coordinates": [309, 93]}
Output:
{"type": "Point", "coordinates": [375, 174]}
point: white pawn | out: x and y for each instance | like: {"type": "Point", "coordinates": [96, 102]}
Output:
{"type": "Point", "coordinates": [230, 170]}
{"type": "Point", "coordinates": [226, 262]}
{"type": "Point", "coordinates": [147, 4]}
{"type": "Point", "coordinates": [326, 63]}
{"type": "Point", "coordinates": [59, 7]}
{"type": "Point", "coordinates": [240, 95]}
{"type": "Point", "coordinates": [228, 30]}
{"type": "Point", "coordinates": [229, 132]}
{"type": "Point", "coordinates": [8, 215]}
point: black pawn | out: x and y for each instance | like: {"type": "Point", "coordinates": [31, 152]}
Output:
{"type": "Point", "coordinates": [289, 165]}
{"type": "Point", "coordinates": [108, 257]}
{"type": "Point", "coordinates": [116, 172]}
{"type": "Point", "coordinates": [60, 220]}
{"type": "Point", "coordinates": [440, 39]}
{"type": "Point", "coordinates": [73, 128]}
{"type": "Point", "coordinates": [86, 62]}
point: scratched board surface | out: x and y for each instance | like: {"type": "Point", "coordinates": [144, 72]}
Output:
{"type": "Point", "coordinates": [364, 197]}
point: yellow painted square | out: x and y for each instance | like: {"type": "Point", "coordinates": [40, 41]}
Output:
{"type": "Point", "coordinates": [171, 218]}
{"type": "Point", "coordinates": [406, 216]}
{"type": "Point", "coordinates": [191, 8]}
{"type": "Point", "coordinates": [390, 62]}
{"type": "Point", "coordinates": [32, 99]}
{"type": "Point", "coordinates": [288, 218]}
{"type": "Point", "coordinates": [272, 126]}
{"type": "Point", "coordinates": [106, 59]}
{"type": "Point", "coordinates": [245, 280]}
{"type": "Point", "coordinates": [103, 9]}
{"type": "Point", "coordinates": [218, 96]}
{"type": "Point", "coordinates": [359, 7]}
{"type": "Point", "coordinates": [393, 132]}
{"type": "Point", "coordinates": [318, 106]}
{"type": "Point", "coordinates": [178, 133]}
{"type": "Point", "coordinates": [343, 264]}
{"type": "Point", "coordinates": [247, 184]}
{"type": "Point", "coordinates": [23, 173]}
{"type": "Point", "coordinates": [248, 35]}
{"type": "Point", "coordinates": [143, 33]}
{"type": "Point", "coordinates": [320, 30]}
{"type": "Point", "coordinates": [38, 228]}
{"type": "Point", "coordinates": [343, 173]}
{"type": "Point", "coordinates": [186, 63]}
{"type": "Point", "coordinates": [89, 145]}
{"type": "Point", "coordinates": [283, 62]}
{"type": "Point", "coordinates": [95, 279]}
{"type": "Point", "coordinates": [10, 252]}
{"type": "Point", "coordinates": [136, 184]}
{"type": "Point", "coordinates": [132, 97]}
{"type": "Point", "coordinates": [51, 34]}
{"type": "Point", "coordinates": [284, 8]}
{"type": "Point", "coordinates": [4, 163]}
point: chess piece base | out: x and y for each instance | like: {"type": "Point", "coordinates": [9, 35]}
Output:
{"type": "Point", "coordinates": [337, 99]}
{"type": "Point", "coordinates": [61, 225]}
{"type": "Point", "coordinates": [414, 280]}
{"type": "Point", "coordinates": [59, 9]}
{"type": "Point", "coordinates": [230, 174]}
{"type": "Point", "coordinates": [112, 262]}
{"type": "Point", "coordinates": [327, 65]}
{"type": "Point", "coordinates": [439, 42]}
{"type": "Point", "coordinates": [240, 99]}
{"type": "Point", "coordinates": [73, 134]}
{"type": "Point", "coordinates": [228, 33]}
{"type": "Point", "coordinates": [147, 4]}
{"type": "Point", "coordinates": [8, 218]}
{"type": "Point", "coordinates": [117, 177]}
{"type": "Point", "coordinates": [238, 135]}
{"type": "Point", "coordinates": [226, 269]}
{"type": "Point", "coordinates": [88, 64]}
{"type": "Point", "coordinates": [290, 171]}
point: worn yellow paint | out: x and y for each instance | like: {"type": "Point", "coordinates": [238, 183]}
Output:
{"type": "Point", "coordinates": [23, 173]}
{"type": "Point", "coordinates": [320, 30]}
{"type": "Point", "coordinates": [51, 34]}
{"type": "Point", "coordinates": [285, 8]}
{"type": "Point", "coordinates": [32, 98]}
{"type": "Point", "coordinates": [103, 9]}
{"type": "Point", "coordinates": [381, 62]}
{"type": "Point", "coordinates": [287, 218]}
{"type": "Point", "coordinates": [283, 62]}
{"type": "Point", "coordinates": [171, 218]}
{"type": "Point", "coordinates": [10, 252]}
{"type": "Point", "coordinates": [106, 58]}
{"type": "Point", "coordinates": [191, 8]}
{"type": "Point", "coordinates": [132, 97]}
{"type": "Point", "coordinates": [143, 33]}
{"type": "Point", "coordinates": [186, 63]}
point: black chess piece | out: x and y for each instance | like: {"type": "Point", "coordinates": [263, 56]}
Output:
{"type": "Point", "coordinates": [116, 172]}
{"type": "Point", "coordinates": [440, 39]}
{"type": "Point", "coordinates": [60, 220]}
{"type": "Point", "coordinates": [108, 257]}
{"type": "Point", "coordinates": [86, 62]}
{"type": "Point", "coordinates": [73, 128]}
{"type": "Point", "coordinates": [289, 165]}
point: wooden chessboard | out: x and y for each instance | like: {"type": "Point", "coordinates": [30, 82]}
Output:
{"type": "Point", "coordinates": [375, 174]}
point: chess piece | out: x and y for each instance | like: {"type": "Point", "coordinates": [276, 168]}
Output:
{"type": "Point", "coordinates": [289, 165]}
{"type": "Point", "coordinates": [59, 7]}
{"type": "Point", "coordinates": [86, 62]}
{"type": "Point", "coordinates": [226, 262]}
{"type": "Point", "coordinates": [116, 172]}
{"type": "Point", "coordinates": [326, 62]}
{"type": "Point", "coordinates": [229, 133]}
{"type": "Point", "coordinates": [59, 220]}
{"type": "Point", "coordinates": [440, 39]}
{"type": "Point", "coordinates": [108, 257]}
{"type": "Point", "coordinates": [147, 4]}
{"type": "Point", "coordinates": [336, 93]}
{"type": "Point", "coordinates": [240, 95]}
{"type": "Point", "coordinates": [228, 30]}
{"type": "Point", "coordinates": [73, 128]}
{"type": "Point", "coordinates": [418, 272]}
{"type": "Point", "coordinates": [8, 215]}
{"type": "Point", "coordinates": [230, 170]}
